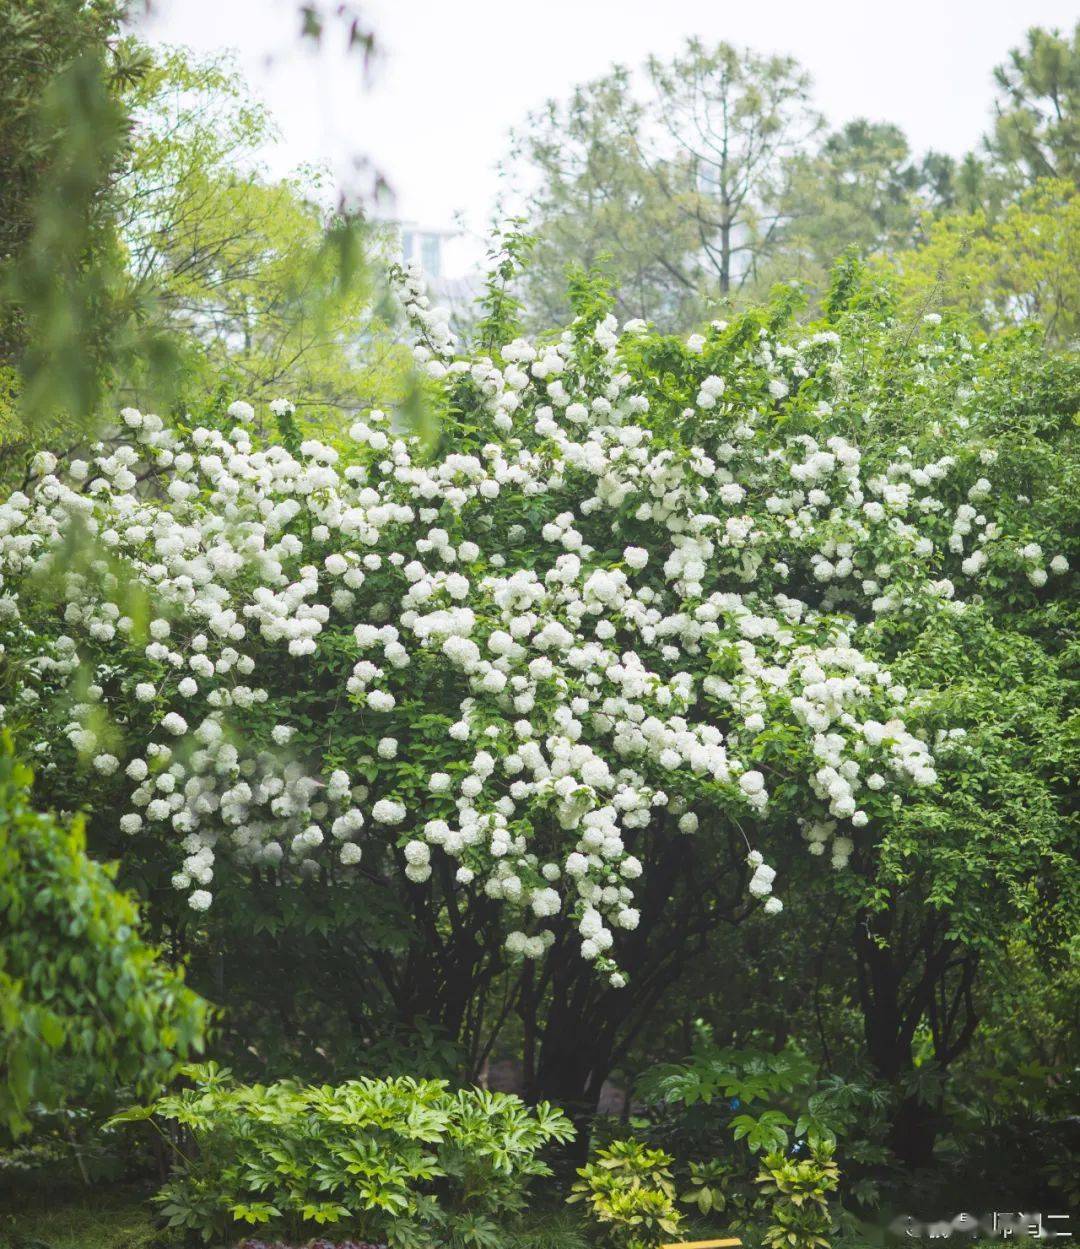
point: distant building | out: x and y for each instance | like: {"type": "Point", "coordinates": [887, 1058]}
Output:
{"type": "Point", "coordinates": [425, 247]}
{"type": "Point", "coordinates": [451, 261]}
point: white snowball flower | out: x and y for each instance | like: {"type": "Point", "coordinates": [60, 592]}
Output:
{"type": "Point", "coordinates": [752, 782]}
{"type": "Point", "coordinates": [241, 411]}
{"type": "Point", "coordinates": [388, 811]}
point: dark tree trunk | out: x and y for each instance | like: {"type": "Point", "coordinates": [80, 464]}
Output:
{"type": "Point", "coordinates": [913, 1133]}
{"type": "Point", "coordinates": [587, 1028]}
{"type": "Point", "coordinates": [904, 973]}
{"type": "Point", "coordinates": [576, 1057]}
{"type": "Point", "coordinates": [577, 1041]}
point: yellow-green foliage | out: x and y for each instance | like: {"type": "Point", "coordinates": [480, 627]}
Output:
{"type": "Point", "coordinates": [9, 418]}
{"type": "Point", "coordinates": [799, 1190]}
{"type": "Point", "coordinates": [258, 283]}
{"type": "Point", "coordinates": [629, 1192]}
{"type": "Point", "coordinates": [1020, 265]}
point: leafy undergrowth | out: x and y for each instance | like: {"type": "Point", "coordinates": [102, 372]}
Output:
{"type": "Point", "coordinates": [110, 1218]}
{"type": "Point", "coordinates": [544, 1229]}
{"type": "Point", "coordinates": [319, 1243]}
{"type": "Point", "coordinates": [42, 1216]}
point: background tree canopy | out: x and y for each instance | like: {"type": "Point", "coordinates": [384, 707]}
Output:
{"type": "Point", "coordinates": [148, 252]}
{"type": "Point", "coordinates": [704, 181]}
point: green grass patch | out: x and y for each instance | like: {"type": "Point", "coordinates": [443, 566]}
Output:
{"type": "Point", "coordinates": [96, 1218]}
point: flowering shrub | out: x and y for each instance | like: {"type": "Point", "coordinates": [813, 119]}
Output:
{"type": "Point", "coordinates": [637, 583]}
{"type": "Point", "coordinates": [402, 1159]}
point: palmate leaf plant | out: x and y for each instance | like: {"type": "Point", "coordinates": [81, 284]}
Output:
{"type": "Point", "coordinates": [712, 1073]}
{"type": "Point", "coordinates": [718, 1097]}
{"type": "Point", "coordinates": [764, 1127]}
{"type": "Point", "coordinates": [400, 1160]}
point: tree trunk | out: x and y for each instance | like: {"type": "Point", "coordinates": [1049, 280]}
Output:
{"type": "Point", "coordinates": [725, 255]}
{"type": "Point", "coordinates": [892, 1011]}
{"type": "Point", "coordinates": [913, 1133]}
{"type": "Point", "coordinates": [575, 1055]}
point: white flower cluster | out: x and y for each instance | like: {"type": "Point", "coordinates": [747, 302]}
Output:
{"type": "Point", "coordinates": [598, 629]}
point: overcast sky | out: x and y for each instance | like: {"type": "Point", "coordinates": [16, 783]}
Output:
{"type": "Point", "coordinates": [454, 75]}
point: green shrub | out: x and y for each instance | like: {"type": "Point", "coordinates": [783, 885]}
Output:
{"type": "Point", "coordinates": [798, 1190]}
{"type": "Point", "coordinates": [710, 1185]}
{"type": "Point", "coordinates": [85, 1004]}
{"type": "Point", "coordinates": [399, 1159]}
{"type": "Point", "coordinates": [630, 1192]}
